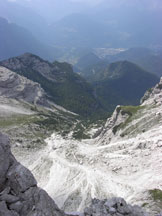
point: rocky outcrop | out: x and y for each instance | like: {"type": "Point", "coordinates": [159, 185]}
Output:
{"type": "Point", "coordinates": [19, 194]}
{"type": "Point", "coordinates": [153, 96]}
{"type": "Point", "coordinates": [127, 121]}
{"type": "Point", "coordinates": [113, 124]}
{"type": "Point", "coordinates": [18, 87]}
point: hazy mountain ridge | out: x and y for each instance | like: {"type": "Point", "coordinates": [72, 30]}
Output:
{"type": "Point", "coordinates": [148, 59]}
{"type": "Point", "coordinates": [115, 27]}
{"type": "Point", "coordinates": [25, 17]}
{"type": "Point", "coordinates": [108, 26]}
{"type": "Point", "coordinates": [124, 23]}
{"type": "Point", "coordinates": [16, 40]}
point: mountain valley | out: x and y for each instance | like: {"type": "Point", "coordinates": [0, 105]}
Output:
{"type": "Point", "coordinates": [119, 157]}
{"type": "Point", "coordinates": [123, 160]}
{"type": "Point", "coordinates": [80, 108]}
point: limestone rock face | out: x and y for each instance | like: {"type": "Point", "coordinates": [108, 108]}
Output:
{"type": "Point", "coordinates": [113, 123]}
{"type": "Point", "coordinates": [154, 95]}
{"type": "Point", "coordinates": [18, 87]}
{"type": "Point", "coordinates": [19, 194]}
{"type": "Point", "coordinates": [126, 121]}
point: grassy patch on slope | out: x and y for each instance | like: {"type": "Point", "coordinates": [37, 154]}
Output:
{"type": "Point", "coordinates": [156, 194]}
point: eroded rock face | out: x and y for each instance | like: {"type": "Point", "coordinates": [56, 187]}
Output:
{"type": "Point", "coordinates": [118, 117]}
{"type": "Point", "coordinates": [19, 194]}
{"type": "Point", "coordinates": [153, 96]}
{"type": "Point", "coordinates": [18, 87]}
{"type": "Point", "coordinates": [130, 121]}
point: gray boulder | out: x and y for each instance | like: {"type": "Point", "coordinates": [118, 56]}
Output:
{"type": "Point", "coordinates": [20, 178]}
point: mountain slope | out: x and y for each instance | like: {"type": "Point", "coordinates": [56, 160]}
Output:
{"type": "Point", "coordinates": [16, 40]}
{"type": "Point", "coordinates": [64, 87]}
{"type": "Point", "coordinates": [148, 59]}
{"type": "Point", "coordinates": [20, 194]}
{"type": "Point", "coordinates": [27, 114]}
{"type": "Point", "coordinates": [17, 87]}
{"type": "Point", "coordinates": [120, 83]}
{"type": "Point", "coordinates": [124, 160]}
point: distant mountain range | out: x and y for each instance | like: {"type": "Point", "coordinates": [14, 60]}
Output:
{"type": "Point", "coordinates": [109, 27]}
{"type": "Point", "coordinates": [24, 16]}
{"type": "Point", "coordinates": [15, 40]}
{"type": "Point", "coordinates": [104, 25]}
